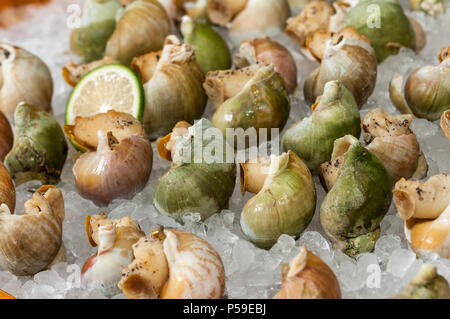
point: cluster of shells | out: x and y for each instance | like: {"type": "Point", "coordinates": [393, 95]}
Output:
{"type": "Point", "coordinates": [115, 156]}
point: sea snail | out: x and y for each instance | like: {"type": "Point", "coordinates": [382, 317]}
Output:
{"type": "Point", "coordinates": [201, 179]}
{"type": "Point", "coordinates": [172, 264]}
{"type": "Point", "coordinates": [211, 50]}
{"type": "Point", "coordinates": [285, 198]}
{"type": "Point", "coordinates": [359, 196]}
{"type": "Point", "coordinates": [391, 140]}
{"type": "Point", "coordinates": [115, 239]}
{"type": "Point", "coordinates": [40, 148]}
{"type": "Point", "coordinates": [345, 56]}
{"type": "Point", "coordinates": [267, 51]}
{"type": "Point", "coordinates": [445, 124]}
{"type": "Point", "coordinates": [173, 87]}
{"type": "Point", "coordinates": [30, 242]}
{"type": "Point", "coordinates": [308, 277]}
{"type": "Point", "coordinates": [335, 114]}
{"type": "Point", "coordinates": [107, 29]}
{"type": "Point", "coordinates": [24, 77]}
{"type": "Point", "coordinates": [252, 97]}
{"type": "Point", "coordinates": [425, 208]}
{"type": "Point", "coordinates": [428, 284]}
{"type": "Point", "coordinates": [427, 90]}
{"type": "Point", "coordinates": [119, 158]}
{"type": "Point", "coordinates": [249, 18]}
{"type": "Point", "coordinates": [6, 136]}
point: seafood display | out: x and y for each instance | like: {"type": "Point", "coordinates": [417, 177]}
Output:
{"type": "Point", "coordinates": [224, 149]}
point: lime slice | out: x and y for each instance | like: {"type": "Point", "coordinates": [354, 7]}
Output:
{"type": "Point", "coordinates": [109, 87]}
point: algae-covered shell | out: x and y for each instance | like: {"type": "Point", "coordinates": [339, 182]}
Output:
{"type": "Point", "coordinates": [173, 87]}
{"type": "Point", "coordinates": [349, 58]}
{"type": "Point", "coordinates": [31, 241]}
{"type": "Point", "coordinates": [427, 89]}
{"type": "Point", "coordinates": [267, 51]}
{"type": "Point", "coordinates": [359, 196]}
{"type": "Point", "coordinates": [24, 77]}
{"type": "Point", "coordinates": [431, 7]}
{"type": "Point", "coordinates": [425, 208]}
{"type": "Point", "coordinates": [385, 24]}
{"type": "Point", "coordinates": [307, 276]}
{"type": "Point", "coordinates": [172, 264]}
{"type": "Point", "coordinates": [211, 50]}
{"type": "Point", "coordinates": [428, 284]}
{"type": "Point", "coordinates": [200, 180]}
{"type": "Point", "coordinates": [260, 98]}
{"type": "Point", "coordinates": [391, 140]}
{"type": "Point", "coordinates": [335, 114]}
{"type": "Point", "coordinates": [115, 239]}
{"type": "Point", "coordinates": [6, 136]}
{"type": "Point", "coordinates": [120, 161]}
{"type": "Point", "coordinates": [108, 30]}
{"type": "Point", "coordinates": [285, 199]}
{"type": "Point", "coordinates": [40, 147]}
{"type": "Point", "coordinates": [7, 191]}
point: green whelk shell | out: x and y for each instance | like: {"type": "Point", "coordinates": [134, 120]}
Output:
{"type": "Point", "coordinates": [40, 147]}
{"type": "Point", "coordinates": [357, 202]}
{"type": "Point", "coordinates": [197, 186]}
{"type": "Point", "coordinates": [335, 115]}
{"type": "Point", "coordinates": [384, 23]}
{"type": "Point", "coordinates": [211, 51]}
{"type": "Point", "coordinates": [284, 205]}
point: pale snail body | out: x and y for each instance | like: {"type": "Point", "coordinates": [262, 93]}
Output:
{"type": "Point", "coordinates": [172, 264]}
{"type": "Point", "coordinates": [120, 157]}
{"type": "Point", "coordinates": [285, 199]}
{"type": "Point", "coordinates": [30, 242]}
{"type": "Point", "coordinates": [192, 185]}
{"type": "Point", "coordinates": [425, 208]}
{"type": "Point", "coordinates": [349, 58]}
{"type": "Point", "coordinates": [249, 18]}
{"type": "Point", "coordinates": [6, 136]}
{"type": "Point", "coordinates": [270, 52]}
{"type": "Point", "coordinates": [335, 114]}
{"type": "Point", "coordinates": [307, 276]}
{"type": "Point", "coordinates": [115, 239]}
{"type": "Point", "coordinates": [390, 139]}
{"type": "Point", "coordinates": [359, 196]}
{"type": "Point", "coordinates": [173, 87]}
{"type": "Point", "coordinates": [24, 77]}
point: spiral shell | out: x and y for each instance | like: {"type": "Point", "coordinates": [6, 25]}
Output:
{"type": "Point", "coordinates": [40, 148]}
{"type": "Point", "coordinates": [120, 166]}
{"type": "Point", "coordinates": [445, 124]}
{"type": "Point", "coordinates": [390, 139]}
{"type": "Point", "coordinates": [172, 264]}
{"type": "Point", "coordinates": [141, 27]}
{"type": "Point", "coordinates": [308, 277]}
{"type": "Point", "coordinates": [115, 239]}
{"type": "Point", "coordinates": [335, 114]}
{"type": "Point", "coordinates": [24, 77]}
{"type": "Point", "coordinates": [270, 52]}
{"type": "Point", "coordinates": [349, 58]}
{"type": "Point", "coordinates": [31, 241]}
{"type": "Point", "coordinates": [197, 182]}
{"type": "Point", "coordinates": [425, 208]}
{"type": "Point", "coordinates": [253, 97]}
{"type": "Point", "coordinates": [359, 196]}
{"type": "Point", "coordinates": [285, 199]}
{"type": "Point", "coordinates": [6, 136]}
{"type": "Point", "coordinates": [173, 87]}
